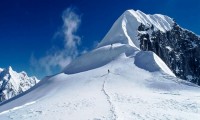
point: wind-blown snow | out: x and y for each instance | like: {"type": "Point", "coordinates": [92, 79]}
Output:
{"type": "Point", "coordinates": [115, 81]}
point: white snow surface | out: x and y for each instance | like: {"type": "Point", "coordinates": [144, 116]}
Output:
{"type": "Point", "coordinates": [125, 29]}
{"type": "Point", "coordinates": [115, 81]}
{"type": "Point", "coordinates": [132, 90]}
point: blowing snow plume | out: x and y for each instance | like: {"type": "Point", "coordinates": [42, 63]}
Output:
{"type": "Point", "coordinates": [56, 60]}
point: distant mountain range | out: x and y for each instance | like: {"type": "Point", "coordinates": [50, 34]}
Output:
{"type": "Point", "coordinates": [13, 83]}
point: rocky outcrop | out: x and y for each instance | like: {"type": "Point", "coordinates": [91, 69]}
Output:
{"type": "Point", "coordinates": [178, 48]}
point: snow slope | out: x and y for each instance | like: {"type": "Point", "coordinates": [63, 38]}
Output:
{"type": "Point", "coordinates": [129, 91]}
{"type": "Point", "coordinates": [139, 86]}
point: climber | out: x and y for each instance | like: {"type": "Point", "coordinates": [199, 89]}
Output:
{"type": "Point", "coordinates": [108, 71]}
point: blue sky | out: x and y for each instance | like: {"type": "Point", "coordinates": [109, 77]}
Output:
{"type": "Point", "coordinates": [32, 30]}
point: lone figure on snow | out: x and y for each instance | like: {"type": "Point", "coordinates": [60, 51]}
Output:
{"type": "Point", "coordinates": [108, 71]}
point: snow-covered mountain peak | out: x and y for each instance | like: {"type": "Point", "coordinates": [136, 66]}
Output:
{"type": "Point", "coordinates": [8, 71]}
{"type": "Point", "coordinates": [10, 68]}
{"type": "Point", "coordinates": [122, 38]}
{"type": "Point", "coordinates": [13, 83]}
{"type": "Point", "coordinates": [125, 29]}
{"type": "Point", "coordinates": [159, 21]}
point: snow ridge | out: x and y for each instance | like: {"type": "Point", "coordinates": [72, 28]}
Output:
{"type": "Point", "coordinates": [124, 23]}
{"type": "Point", "coordinates": [125, 28]}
